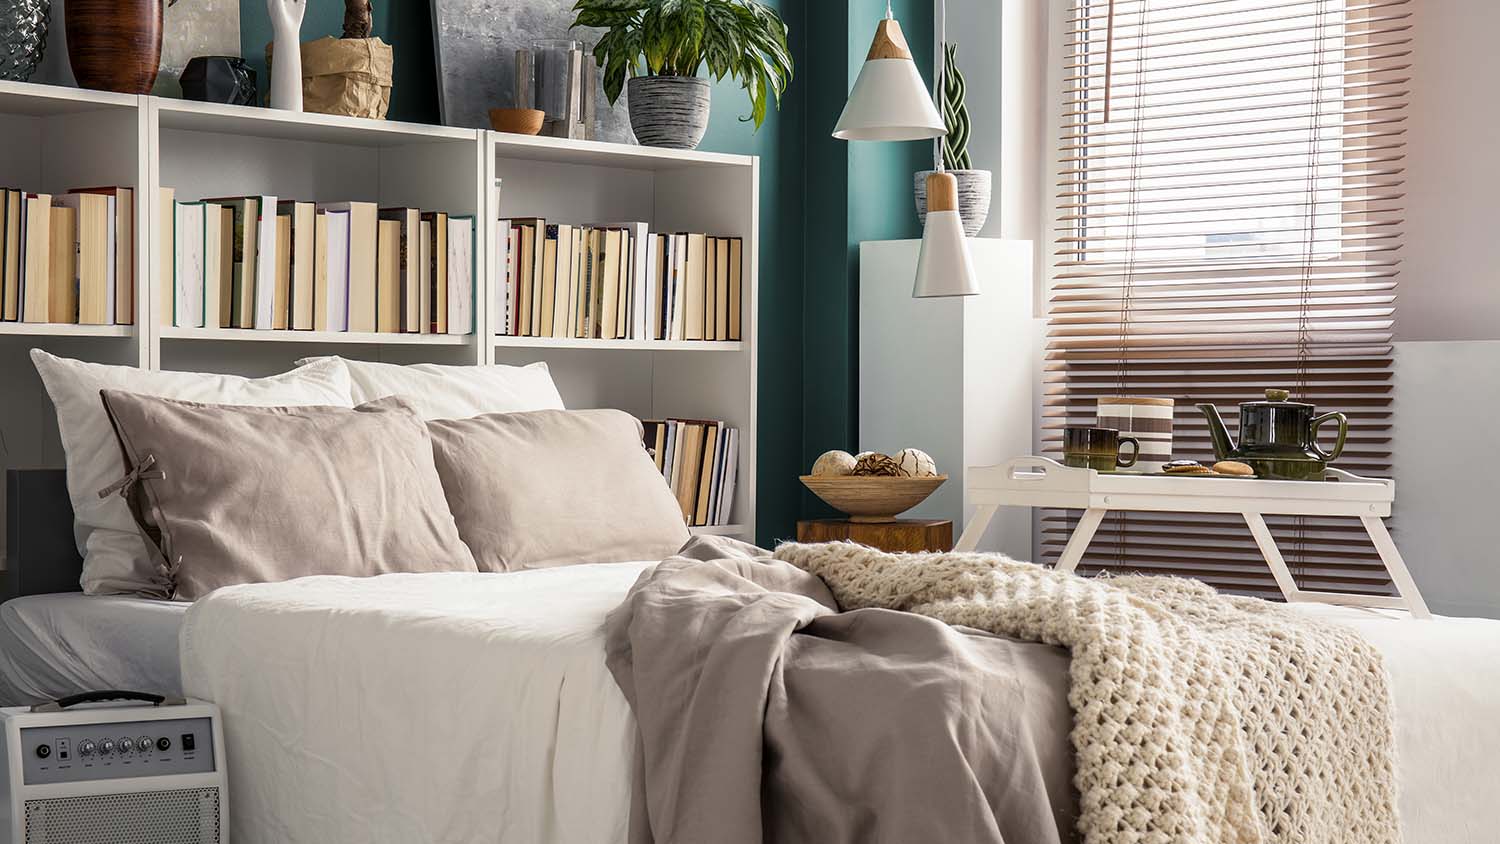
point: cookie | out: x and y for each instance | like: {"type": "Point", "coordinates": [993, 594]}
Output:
{"type": "Point", "coordinates": [1233, 467]}
{"type": "Point", "coordinates": [1185, 467]}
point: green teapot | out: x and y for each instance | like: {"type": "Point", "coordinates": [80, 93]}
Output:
{"type": "Point", "coordinates": [1278, 437]}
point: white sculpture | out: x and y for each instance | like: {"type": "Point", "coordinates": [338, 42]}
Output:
{"type": "Point", "coordinates": [286, 58]}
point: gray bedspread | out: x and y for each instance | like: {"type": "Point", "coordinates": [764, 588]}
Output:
{"type": "Point", "coordinates": [765, 714]}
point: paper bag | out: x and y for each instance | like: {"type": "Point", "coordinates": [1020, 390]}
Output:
{"type": "Point", "coordinates": [349, 76]}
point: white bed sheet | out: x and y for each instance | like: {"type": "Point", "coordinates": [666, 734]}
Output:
{"type": "Point", "coordinates": [61, 644]}
{"type": "Point", "coordinates": [472, 707]}
{"type": "Point", "coordinates": [452, 707]}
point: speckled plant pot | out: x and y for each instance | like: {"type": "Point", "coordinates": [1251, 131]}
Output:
{"type": "Point", "coordinates": [668, 111]}
{"type": "Point", "coordinates": [973, 197]}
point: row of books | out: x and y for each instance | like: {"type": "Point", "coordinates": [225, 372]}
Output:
{"type": "Point", "coordinates": [699, 458]}
{"type": "Point", "coordinates": [68, 258]}
{"type": "Point", "coordinates": [268, 263]}
{"type": "Point", "coordinates": [617, 281]}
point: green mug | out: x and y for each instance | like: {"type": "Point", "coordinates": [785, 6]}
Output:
{"type": "Point", "coordinates": [1087, 447]}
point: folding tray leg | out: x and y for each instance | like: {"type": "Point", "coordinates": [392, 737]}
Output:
{"type": "Point", "coordinates": [1268, 549]}
{"type": "Point", "coordinates": [976, 527]}
{"type": "Point", "coordinates": [1389, 555]}
{"type": "Point", "coordinates": [1079, 541]}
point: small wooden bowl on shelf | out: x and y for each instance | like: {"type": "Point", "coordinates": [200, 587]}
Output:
{"type": "Point", "coordinates": [517, 121]}
{"type": "Point", "coordinates": [872, 498]}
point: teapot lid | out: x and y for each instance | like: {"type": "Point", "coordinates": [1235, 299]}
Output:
{"type": "Point", "coordinates": [1276, 397]}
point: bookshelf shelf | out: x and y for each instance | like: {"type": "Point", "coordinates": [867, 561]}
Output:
{"type": "Point", "coordinates": [48, 329]}
{"type": "Point", "coordinates": [250, 335]}
{"type": "Point", "coordinates": [507, 341]}
{"type": "Point", "coordinates": [59, 138]}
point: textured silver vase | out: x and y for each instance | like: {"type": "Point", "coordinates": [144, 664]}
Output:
{"type": "Point", "coordinates": [23, 36]}
{"type": "Point", "coordinates": [668, 111]}
{"type": "Point", "coordinates": [973, 197]}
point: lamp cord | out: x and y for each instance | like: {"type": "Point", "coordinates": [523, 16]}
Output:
{"type": "Point", "coordinates": [937, 83]}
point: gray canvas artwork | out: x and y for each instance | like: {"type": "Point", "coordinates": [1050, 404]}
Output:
{"type": "Point", "coordinates": [476, 49]}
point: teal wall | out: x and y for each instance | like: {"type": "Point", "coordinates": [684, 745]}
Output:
{"type": "Point", "coordinates": [819, 198]}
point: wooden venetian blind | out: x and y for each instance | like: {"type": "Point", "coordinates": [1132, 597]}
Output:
{"type": "Point", "coordinates": [1229, 194]}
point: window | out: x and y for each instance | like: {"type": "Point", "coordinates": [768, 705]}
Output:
{"type": "Point", "coordinates": [1228, 219]}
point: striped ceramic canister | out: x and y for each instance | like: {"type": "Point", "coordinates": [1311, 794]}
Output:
{"type": "Point", "coordinates": [1147, 419]}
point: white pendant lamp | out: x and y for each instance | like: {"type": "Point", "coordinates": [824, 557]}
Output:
{"type": "Point", "coordinates": [944, 267]}
{"type": "Point", "coordinates": [889, 101]}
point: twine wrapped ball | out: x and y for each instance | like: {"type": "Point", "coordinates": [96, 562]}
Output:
{"type": "Point", "coordinates": [873, 463]}
{"type": "Point", "coordinates": [915, 463]}
{"type": "Point", "coordinates": [834, 463]}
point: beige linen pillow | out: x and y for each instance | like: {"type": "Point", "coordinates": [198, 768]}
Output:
{"type": "Point", "coordinates": [260, 494]}
{"type": "Point", "coordinates": [437, 391]}
{"type": "Point", "coordinates": [555, 488]}
{"type": "Point", "coordinates": [114, 558]}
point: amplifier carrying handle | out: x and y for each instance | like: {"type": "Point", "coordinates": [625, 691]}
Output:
{"type": "Point", "coordinates": [62, 703]}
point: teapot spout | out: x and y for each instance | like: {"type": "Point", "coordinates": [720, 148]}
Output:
{"type": "Point", "coordinates": [1223, 444]}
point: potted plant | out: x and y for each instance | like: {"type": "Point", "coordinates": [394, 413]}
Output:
{"type": "Point", "coordinates": [973, 185]}
{"type": "Point", "coordinates": [656, 48]}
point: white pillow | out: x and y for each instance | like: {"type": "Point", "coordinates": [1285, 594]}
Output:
{"type": "Point", "coordinates": [454, 392]}
{"type": "Point", "coordinates": [115, 560]}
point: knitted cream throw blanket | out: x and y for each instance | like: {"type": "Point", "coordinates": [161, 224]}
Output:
{"type": "Point", "coordinates": [1198, 718]}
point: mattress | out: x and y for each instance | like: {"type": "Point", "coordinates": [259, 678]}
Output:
{"type": "Point", "coordinates": [61, 644]}
{"type": "Point", "coordinates": [473, 707]}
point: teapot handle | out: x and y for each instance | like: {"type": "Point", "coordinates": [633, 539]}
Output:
{"type": "Point", "coordinates": [1338, 445]}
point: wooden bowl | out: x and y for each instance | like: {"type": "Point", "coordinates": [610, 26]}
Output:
{"type": "Point", "coordinates": [872, 498]}
{"type": "Point", "coordinates": [517, 121]}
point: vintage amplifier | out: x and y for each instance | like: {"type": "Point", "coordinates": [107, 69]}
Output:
{"type": "Point", "coordinates": [89, 770]}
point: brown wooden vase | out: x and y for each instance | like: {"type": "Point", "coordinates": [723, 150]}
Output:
{"type": "Point", "coordinates": [114, 45]}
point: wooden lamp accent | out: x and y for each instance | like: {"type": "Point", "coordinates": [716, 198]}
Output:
{"type": "Point", "coordinates": [942, 192]}
{"type": "Point", "coordinates": [889, 43]}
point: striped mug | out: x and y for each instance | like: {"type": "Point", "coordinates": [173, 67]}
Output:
{"type": "Point", "coordinates": [1147, 419]}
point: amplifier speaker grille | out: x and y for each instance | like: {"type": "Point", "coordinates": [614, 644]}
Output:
{"type": "Point", "coordinates": [186, 816]}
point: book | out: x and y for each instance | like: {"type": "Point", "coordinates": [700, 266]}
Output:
{"type": "Point", "coordinates": [62, 265]}
{"type": "Point", "coordinates": [736, 289]}
{"type": "Point", "coordinates": [320, 271]}
{"type": "Point", "coordinates": [710, 290]}
{"type": "Point", "coordinates": [505, 293]}
{"type": "Point", "coordinates": [94, 216]}
{"type": "Point", "coordinates": [302, 244]}
{"type": "Point", "coordinates": [436, 238]}
{"type": "Point", "coordinates": [721, 288]}
{"type": "Point", "coordinates": [409, 298]}
{"type": "Point", "coordinates": [10, 258]}
{"type": "Point", "coordinates": [424, 279]}
{"type": "Point", "coordinates": [731, 471]}
{"type": "Point", "coordinates": [707, 461]}
{"type": "Point", "coordinates": [359, 293]}
{"type": "Point", "coordinates": [282, 298]}
{"type": "Point", "coordinates": [609, 282]}
{"type": "Point", "coordinates": [622, 284]}
{"type": "Point", "coordinates": [530, 255]}
{"type": "Point", "coordinates": [690, 459]}
{"type": "Point", "coordinates": [166, 211]}
{"type": "Point", "coordinates": [242, 214]}
{"type": "Point", "coordinates": [577, 283]}
{"type": "Point", "coordinates": [650, 325]}
{"type": "Point", "coordinates": [679, 282]}
{"type": "Point", "coordinates": [562, 281]}
{"type": "Point", "coordinates": [218, 264]}
{"type": "Point", "coordinates": [187, 264]}
{"type": "Point", "coordinates": [694, 287]}
{"type": "Point", "coordinates": [460, 275]}
{"type": "Point", "coordinates": [123, 237]}
{"type": "Point", "coordinates": [263, 292]}
{"type": "Point", "coordinates": [388, 261]}
{"type": "Point", "coordinates": [331, 305]}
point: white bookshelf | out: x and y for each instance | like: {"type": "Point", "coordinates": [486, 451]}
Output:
{"type": "Point", "coordinates": [60, 138]}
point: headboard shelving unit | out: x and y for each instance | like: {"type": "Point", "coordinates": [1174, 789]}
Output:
{"type": "Point", "coordinates": [60, 138]}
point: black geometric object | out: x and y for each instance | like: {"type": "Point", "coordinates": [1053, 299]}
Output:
{"type": "Point", "coordinates": [219, 79]}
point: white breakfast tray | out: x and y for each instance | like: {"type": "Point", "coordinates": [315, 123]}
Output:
{"type": "Point", "coordinates": [1043, 482]}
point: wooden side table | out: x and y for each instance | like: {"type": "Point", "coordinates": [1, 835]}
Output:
{"type": "Point", "coordinates": [900, 535]}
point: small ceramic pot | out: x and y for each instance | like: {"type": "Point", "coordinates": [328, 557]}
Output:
{"type": "Point", "coordinates": [668, 111]}
{"type": "Point", "coordinates": [973, 197]}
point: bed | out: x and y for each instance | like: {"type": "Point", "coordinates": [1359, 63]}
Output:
{"type": "Point", "coordinates": [345, 719]}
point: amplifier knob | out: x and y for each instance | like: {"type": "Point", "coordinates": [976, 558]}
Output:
{"type": "Point", "coordinates": [126, 745]}
{"type": "Point", "coordinates": [106, 747]}
{"type": "Point", "coordinates": [143, 744]}
{"type": "Point", "coordinates": [86, 748]}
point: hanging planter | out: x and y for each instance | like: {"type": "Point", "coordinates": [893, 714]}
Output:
{"type": "Point", "coordinates": [974, 186]}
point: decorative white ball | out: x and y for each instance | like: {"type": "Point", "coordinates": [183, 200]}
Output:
{"type": "Point", "coordinates": [834, 463]}
{"type": "Point", "coordinates": [916, 463]}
